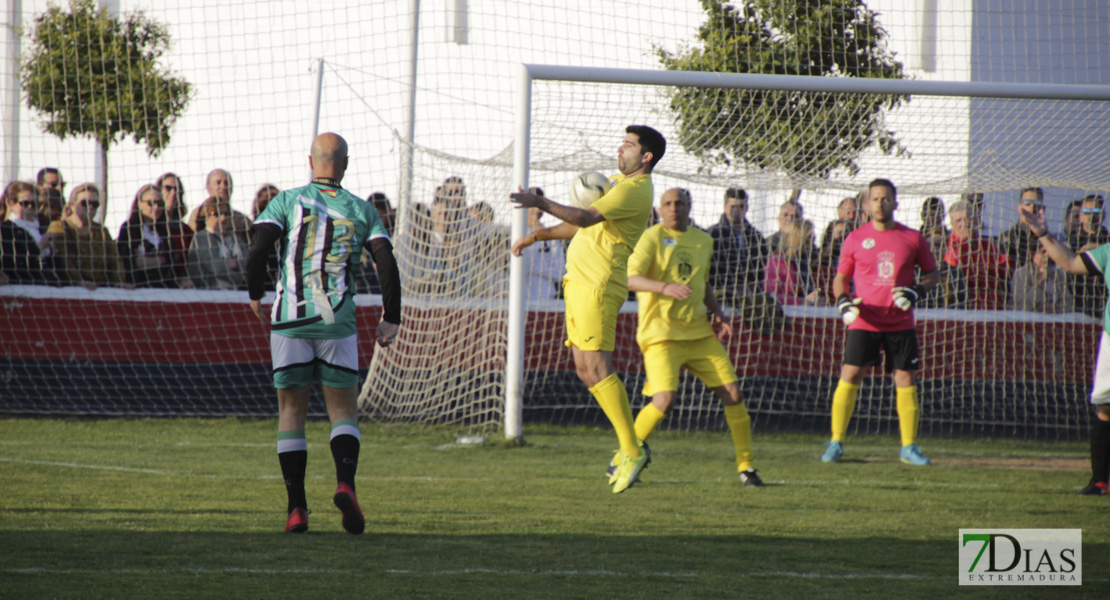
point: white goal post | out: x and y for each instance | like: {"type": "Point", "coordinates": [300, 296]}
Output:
{"type": "Point", "coordinates": [530, 73]}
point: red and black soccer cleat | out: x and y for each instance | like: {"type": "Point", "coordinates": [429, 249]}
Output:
{"type": "Point", "coordinates": [346, 502]}
{"type": "Point", "coordinates": [298, 521]}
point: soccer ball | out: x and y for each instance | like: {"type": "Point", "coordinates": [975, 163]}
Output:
{"type": "Point", "coordinates": [588, 188]}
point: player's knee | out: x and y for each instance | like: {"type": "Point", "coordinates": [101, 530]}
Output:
{"type": "Point", "coordinates": [587, 376]}
{"type": "Point", "coordinates": [663, 401]}
{"type": "Point", "coordinates": [729, 394]}
{"type": "Point", "coordinates": [903, 379]}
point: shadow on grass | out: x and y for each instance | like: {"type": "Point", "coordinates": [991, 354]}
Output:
{"type": "Point", "coordinates": [326, 562]}
{"type": "Point", "coordinates": [130, 511]}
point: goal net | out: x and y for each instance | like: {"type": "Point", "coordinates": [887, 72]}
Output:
{"type": "Point", "coordinates": [994, 360]}
{"type": "Point", "coordinates": [429, 112]}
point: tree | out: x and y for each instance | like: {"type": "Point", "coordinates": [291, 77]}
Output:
{"type": "Point", "coordinates": [800, 132]}
{"type": "Point", "coordinates": [91, 75]}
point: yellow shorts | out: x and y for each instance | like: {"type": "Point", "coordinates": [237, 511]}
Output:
{"type": "Point", "coordinates": [592, 316]}
{"type": "Point", "coordinates": [706, 358]}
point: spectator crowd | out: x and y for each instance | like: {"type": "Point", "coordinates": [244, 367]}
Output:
{"type": "Point", "coordinates": [457, 248]}
{"type": "Point", "coordinates": [48, 240]}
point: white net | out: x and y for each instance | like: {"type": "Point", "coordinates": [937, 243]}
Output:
{"type": "Point", "coordinates": [253, 68]}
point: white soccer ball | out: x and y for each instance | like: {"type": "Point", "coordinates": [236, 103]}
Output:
{"type": "Point", "coordinates": [588, 188]}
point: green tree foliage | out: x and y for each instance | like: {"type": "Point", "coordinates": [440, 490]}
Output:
{"type": "Point", "coordinates": [799, 132]}
{"type": "Point", "coordinates": [91, 75]}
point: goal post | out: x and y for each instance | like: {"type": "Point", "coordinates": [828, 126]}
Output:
{"type": "Point", "coordinates": [522, 163]}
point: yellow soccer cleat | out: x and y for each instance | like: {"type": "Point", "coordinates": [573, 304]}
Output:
{"type": "Point", "coordinates": [628, 471]}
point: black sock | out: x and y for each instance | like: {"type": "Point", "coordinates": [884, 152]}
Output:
{"type": "Point", "coordinates": [344, 449]}
{"type": "Point", "coordinates": [293, 466]}
{"type": "Point", "coordinates": [1100, 450]}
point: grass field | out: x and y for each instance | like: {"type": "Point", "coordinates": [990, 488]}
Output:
{"type": "Point", "coordinates": [194, 509]}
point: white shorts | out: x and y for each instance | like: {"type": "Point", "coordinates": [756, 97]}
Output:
{"type": "Point", "coordinates": [300, 361]}
{"type": "Point", "coordinates": [1100, 391]}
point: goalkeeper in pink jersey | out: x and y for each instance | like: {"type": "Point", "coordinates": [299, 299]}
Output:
{"type": "Point", "coordinates": [878, 259]}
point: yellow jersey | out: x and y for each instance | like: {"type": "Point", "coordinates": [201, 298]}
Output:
{"type": "Point", "coordinates": [598, 254]}
{"type": "Point", "coordinates": [672, 257]}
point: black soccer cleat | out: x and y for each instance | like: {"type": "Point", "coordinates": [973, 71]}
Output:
{"type": "Point", "coordinates": [1094, 488]}
{"type": "Point", "coordinates": [750, 478]}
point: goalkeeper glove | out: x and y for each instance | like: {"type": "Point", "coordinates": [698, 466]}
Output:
{"type": "Point", "coordinates": [906, 297]}
{"type": "Point", "coordinates": [849, 309]}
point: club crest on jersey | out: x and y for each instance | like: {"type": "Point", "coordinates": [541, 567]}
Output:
{"type": "Point", "coordinates": [886, 266]}
{"type": "Point", "coordinates": [669, 241]}
{"type": "Point", "coordinates": [869, 243]}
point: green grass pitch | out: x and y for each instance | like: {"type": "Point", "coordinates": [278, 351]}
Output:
{"type": "Point", "coordinates": [184, 508]}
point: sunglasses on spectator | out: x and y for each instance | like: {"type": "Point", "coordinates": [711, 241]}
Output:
{"type": "Point", "coordinates": [171, 188]}
{"type": "Point", "coordinates": [153, 202]}
{"type": "Point", "coordinates": [27, 203]}
{"type": "Point", "coordinates": [93, 204]}
{"type": "Point", "coordinates": [219, 213]}
{"type": "Point", "coordinates": [1091, 211]}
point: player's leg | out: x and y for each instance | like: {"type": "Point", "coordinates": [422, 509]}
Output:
{"type": "Point", "coordinates": [740, 427]}
{"type": "Point", "coordinates": [292, 364]}
{"type": "Point", "coordinates": [1100, 424]}
{"type": "Point", "coordinates": [337, 370]}
{"type": "Point", "coordinates": [653, 413]}
{"type": "Point", "coordinates": [902, 361]}
{"type": "Point", "coordinates": [1100, 453]}
{"type": "Point", "coordinates": [292, 447]}
{"type": "Point", "coordinates": [595, 368]}
{"type": "Point", "coordinates": [861, 350]}
{"type": "Point", "coordinates": [708, 361]}
{"type": "Point", "coordinates": [662, 365]}
{"type": "Point", "coordinates": [591, 335]}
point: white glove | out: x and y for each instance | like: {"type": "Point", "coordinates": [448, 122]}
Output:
{"type": "Point", "coordinates": [906, 297]}
{"type": "Point", "coordinates": [849, 308]}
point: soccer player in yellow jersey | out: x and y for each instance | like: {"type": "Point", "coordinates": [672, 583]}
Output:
{"type": "Point", "coordinates": [596, 283]}
{"type": "Point", "coordinates": [669, 272]}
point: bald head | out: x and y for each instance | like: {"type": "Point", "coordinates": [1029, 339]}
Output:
{"type": "Point", "coordinates": [218, 184]}
{"type": "Point", "coordinates": [328, 157]}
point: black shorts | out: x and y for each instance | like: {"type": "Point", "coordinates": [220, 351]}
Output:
{"type": "Point", "coordinates": [861, 349]}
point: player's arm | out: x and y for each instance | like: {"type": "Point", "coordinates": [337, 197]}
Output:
{"type": "Point", "coordinates": [263, 237]}
{"type": "Point", "coordinates": [639, 283]}
{"type": "Point", "coordinates": [840, 284]}
{"type": "Point", "coordinates": [579, 217]}
{"type": "Point", "coordinates": [390, 279]}
{"type": "Point", "coordinates": [1060, 254]}
{"type": "Point", "coordinates": [716, 314]}
{"type": "Point", "coordinates": [562, 231]}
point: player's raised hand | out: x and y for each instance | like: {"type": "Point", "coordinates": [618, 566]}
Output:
{"type": "Point", "coordinates": [677, 291]}
{"type": "Point", "coordinates": [849, 308]}
{"type": "Point", "coordinates": [1034, 219]}
{"type": "Point", "coordinates": [386, 332]}
{"type": "Point", "coordinates": [525, 199]}
{"type": "Point", "coordinates": [906, 297]}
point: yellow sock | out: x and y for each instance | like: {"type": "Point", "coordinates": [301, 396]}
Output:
{"type": "Point", "coordinates": [613, 398]}
{"type": "Point", "coordinates": [907, 413]}
{"type": "Point", "coordinates": [844, 402]}
{"type": "Point", "coordinates": [648, 419]}
{"type": "Point", "coordinates": [740, 424]}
